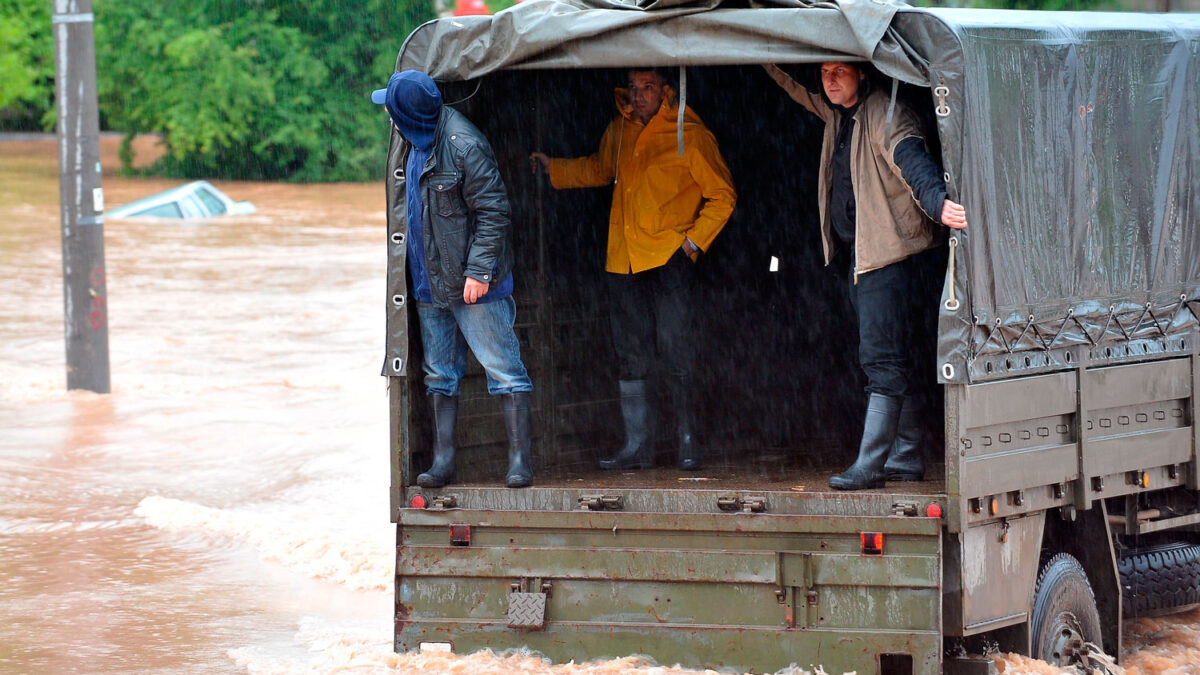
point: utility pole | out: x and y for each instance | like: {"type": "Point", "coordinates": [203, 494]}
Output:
{"type": "Point", "coordinates": [81, 198]}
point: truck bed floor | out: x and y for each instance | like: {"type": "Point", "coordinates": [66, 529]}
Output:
{"type": "Point", "coordinates": [717, 477]}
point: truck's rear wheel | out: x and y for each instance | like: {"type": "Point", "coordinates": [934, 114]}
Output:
{"type": "Point", "coordinates": [1065, 618]}
{"type": "Point", "coordinates": [1161, 579]}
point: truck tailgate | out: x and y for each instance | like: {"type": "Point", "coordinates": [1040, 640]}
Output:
{"type": "Point", "coordinates": [744, 588]}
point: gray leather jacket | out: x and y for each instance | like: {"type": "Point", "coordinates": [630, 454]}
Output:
{"type": "Point", "coordinates": [468, 232]}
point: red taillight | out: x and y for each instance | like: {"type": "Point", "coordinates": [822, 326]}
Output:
{"type": "Point", "coordinates": [460, 534]}
{"type": "Point", "coordinates": [872, 543]}
{"type": "Point", "coordinates": [418, 502]}
{"type": "Point", "coordinates": [933, 510]}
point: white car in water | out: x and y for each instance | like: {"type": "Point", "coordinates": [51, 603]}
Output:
{"type": "Point", "coordinates": [198, 199]}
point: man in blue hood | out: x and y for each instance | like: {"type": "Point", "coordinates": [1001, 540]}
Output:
{"type": "Point", "coordinates": [459, 251]}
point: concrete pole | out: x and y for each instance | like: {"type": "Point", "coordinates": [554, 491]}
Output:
{"type": "Point", "coordinates": [81, 197]}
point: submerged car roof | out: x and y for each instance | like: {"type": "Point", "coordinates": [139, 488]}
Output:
{"type": "Point", "coordinates": [155, 199]}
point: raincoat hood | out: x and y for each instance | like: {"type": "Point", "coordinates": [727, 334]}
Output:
{"type": "Point", "coordinates": [414, 103]}
{"type": "Point", "coordinates": [669, 110]}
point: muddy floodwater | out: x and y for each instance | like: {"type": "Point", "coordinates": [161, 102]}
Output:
{"type": "Point", "coordinates": [225, 508]}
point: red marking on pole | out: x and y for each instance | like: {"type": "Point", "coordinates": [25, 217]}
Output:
{"type": "Point", "coordinates": [96, 318]}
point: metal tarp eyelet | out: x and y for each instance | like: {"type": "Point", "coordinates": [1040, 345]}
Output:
{"type": "Point", "coordinates": [948, 371]}
{"type": "Point", "coordinates": [396, 363]}
{"type": "Point", "coordinates": [397, 237]}
{"type": "Point", "coordinates": [398, 300]}
{"type": "Point", "coordinates": [399, 174]}
{"type": "Point", "coordinates": [941, 92]}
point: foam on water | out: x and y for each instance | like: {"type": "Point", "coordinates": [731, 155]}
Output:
{"type": "Point", "coordinates": [28, 383]}
{"type": "Point", "coordinates": [367, 650]}
{"type": "Point", "coordinates": [361, 566]}
{"type": "Point", "coordinates": [1163, 646]}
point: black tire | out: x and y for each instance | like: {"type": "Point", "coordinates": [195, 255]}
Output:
{"type": "Point", "coordinates": [1064, 612]}
{"type": "Point", "coordinates": [1160, 579]}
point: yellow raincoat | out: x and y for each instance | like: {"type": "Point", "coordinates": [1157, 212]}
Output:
{"type": "Point", "coordinates": [658, 197]}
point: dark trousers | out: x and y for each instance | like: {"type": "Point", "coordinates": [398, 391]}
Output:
{"type": "Point", "coordinates": [884, 299]}
{"type": "Point", "coordinates": [651, 320]}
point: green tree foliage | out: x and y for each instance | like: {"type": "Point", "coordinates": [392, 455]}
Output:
{"type": "Point", "coordinates": [357, 41]}
{"type": "Point", "coordinates": [273, 89]}
{"type": "Point", "coordinates": [26, 64]}
{"type": "Point", "coordinates": [261, 89]}
{"type": "Point", "coordinates": [226, 95]}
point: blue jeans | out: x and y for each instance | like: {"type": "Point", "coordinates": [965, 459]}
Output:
{"type": "Point", "coordinates": [487, 328]}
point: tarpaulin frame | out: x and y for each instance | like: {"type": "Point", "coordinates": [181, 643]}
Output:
{"type": "Point", "coordinates": [1019, 259]}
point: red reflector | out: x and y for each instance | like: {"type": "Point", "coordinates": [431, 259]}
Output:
{"type": "Point", "coordinates": [418, 502]}
{"type": "Point", "coordinates": [933, 510]}
{"type": "Point", "coordinates": [872, 543]}
{"type": "Point", "coordinates": [460, 534]}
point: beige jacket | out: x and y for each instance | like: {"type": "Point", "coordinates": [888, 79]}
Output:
{"type": "Point", "coordinates": [890, 225]}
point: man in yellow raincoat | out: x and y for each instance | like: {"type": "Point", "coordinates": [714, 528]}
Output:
{"type": "Point", "coordinates": [668, 206]}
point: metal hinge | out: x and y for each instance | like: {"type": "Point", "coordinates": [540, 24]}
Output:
{"type": "Point", "coordinates": [601, 503]}
{"type": "Point", "coordinates": [444, 502]}
{"type": "Point", "coordinates": [906, 509]}
{"type": "Point", "coordinates": [743, 504]}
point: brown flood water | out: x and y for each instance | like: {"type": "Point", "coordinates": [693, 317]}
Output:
{"type": "Point", "coordinates": [225, 509]}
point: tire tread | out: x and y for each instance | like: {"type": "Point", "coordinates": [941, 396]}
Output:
{"type": "Point", "coordinates": [1159, 579]}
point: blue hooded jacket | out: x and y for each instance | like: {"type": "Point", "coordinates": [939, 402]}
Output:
{"type": "Point", "coordinates": [415, 105]}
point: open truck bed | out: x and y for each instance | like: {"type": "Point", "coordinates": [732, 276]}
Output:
{"type": "Point", "coordinates": [1062, 374]}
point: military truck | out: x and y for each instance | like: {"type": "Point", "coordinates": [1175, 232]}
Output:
{"type": "Point", "coordinates": [1062, 353]}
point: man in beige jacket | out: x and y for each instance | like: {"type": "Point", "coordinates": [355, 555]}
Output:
{"type": "Point", "coordinates": [880, 194]}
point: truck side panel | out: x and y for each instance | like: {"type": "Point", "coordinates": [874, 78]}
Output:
{"type": "Point", "coordinates": [1069, 438]}
{"type": "Point", "coordinates": [1023, 450]}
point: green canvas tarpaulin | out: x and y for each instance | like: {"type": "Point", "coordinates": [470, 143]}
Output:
{"type": "Point", "coordinates": [1072, 138]}
{"type": "Point", "coordinates": [550, 34]}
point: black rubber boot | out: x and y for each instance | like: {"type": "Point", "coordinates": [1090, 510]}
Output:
{"type": "Point", "coordinates": [517, 423]}
{"type": "Point", "coordinates": [879, 431]}
{"type": "Point", "coordinates": [445, 416]}
{"type": "Point", "coordinates": [905, 462]}
{"type": "Point", "coordinates": [685, 427]}
{"type": "Point", "coordinates": [635, 411]}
